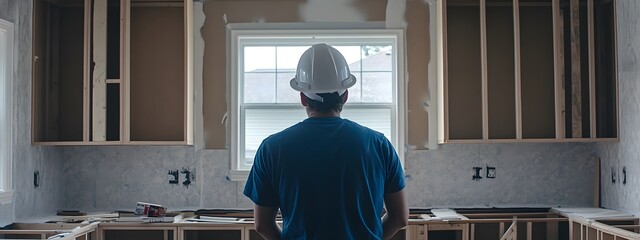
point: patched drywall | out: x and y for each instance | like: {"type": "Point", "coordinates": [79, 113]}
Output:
{"type": "Point", "coordinates": [543, 174]}
{"type": "Point", "coordinates": [28, 201]}
{"type": "Point", "coordinates": [331, 11]}
{"type": "Point", "coordinates": [625, 154]}
{"type": "Point", "coordinates": [110, 178]}
{"type": "Point", "coordinates": [412, 15]}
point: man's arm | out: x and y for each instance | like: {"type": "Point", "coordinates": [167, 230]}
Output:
{"type": "Point", "coordinates": [265, 222]}
{"type": "Point", "coordinates": [397, 215]}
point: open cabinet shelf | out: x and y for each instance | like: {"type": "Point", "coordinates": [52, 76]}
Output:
{"type": "Point", "coordinates": [112, 72]}
{"type": "Point", "coordinates": [527, 71]}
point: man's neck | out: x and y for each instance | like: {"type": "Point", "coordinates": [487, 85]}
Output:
{"type": "Point", "coordinates": [313, 114]}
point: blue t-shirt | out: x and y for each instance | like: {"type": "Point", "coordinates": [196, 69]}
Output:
{"type": "Point", "coordinates": [328, 176]}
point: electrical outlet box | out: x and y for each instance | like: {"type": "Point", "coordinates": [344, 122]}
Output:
{"type": "Point", "coordinates": [491, 172]}
{"type": "Point", "coordinates": [476, 173]}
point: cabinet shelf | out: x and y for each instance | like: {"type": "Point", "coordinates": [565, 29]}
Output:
{"type": "Point", "coordinates": [527, 71]}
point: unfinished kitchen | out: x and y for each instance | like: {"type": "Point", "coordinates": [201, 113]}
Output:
{"type": "Point", "coordinates": [140, 119]}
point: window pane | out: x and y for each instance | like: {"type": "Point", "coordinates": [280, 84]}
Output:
{"type": "Point", "coordinates": [259, 58]}
{"type": "Point", "coordinates": [260, 123]}
{"type": "Point", "coordinates": [376, 119]}
{"type": "Point", "coordinates": [288, 57]}
{"type": "Point", "coordinates": [286, 94]}
{"type": "Point", "coordinates": [355, 92]}
{"type": "Point", "coordinates": [376, 58]}
{"type": "Point", "coordinates": [377, 87]}
{"type": "Point", "coordinates": [352, 55]}
{"type": "Point", "coordinates": [259, 87]}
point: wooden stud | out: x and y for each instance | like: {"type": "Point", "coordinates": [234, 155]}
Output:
{"type": "Point", "coordinates": [529, 230]}
{"type": "Point", "coordinates": [552, 229]}
{"type": "Point", "coordinates": [34, 60]}
{"type": "Point", "coordinates": [124, 19]}
{"type": "Point", "coordinates": [86, 73]}
{"type": "Point", "coordinates": [465, 232]}
{"type": "Point", "coordinates": [188, 68]}
{"type": "Point", "coordinates": [442, 30]}
{"type": "Point", "coordinates": [472, 231]}
{"type": "Point", "coordinates": [592, 71]}
{"type": "Point", "coordinates": [571, 229]}
{"type": "Point", "coordinates": [615, 68]}
{"type": "Point", "coordinates": [518, 68]}
{"type": "Point", "coordinates": [558, 48]}
{"type": "Point", "coordinates": [501, 229]}
{"type": "Point", "coordinates": [576, 85]}
{"type": "Point", "coordinates": [126, 110]}
{"type": "Point", "coordinates": [112, 81]}
{"type": "Point", "coordinates": [99, 85]}
{"type": "Point", "coordinates": [484, 70]}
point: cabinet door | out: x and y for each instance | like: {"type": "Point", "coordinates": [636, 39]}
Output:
{"type": "Point", "coordinates": [59, 54]}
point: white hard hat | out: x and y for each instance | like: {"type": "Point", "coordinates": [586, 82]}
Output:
{"type": "Point", "coordinates": [322, 69]}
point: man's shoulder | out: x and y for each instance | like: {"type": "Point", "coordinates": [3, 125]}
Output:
{"type": "Point", "coordinates": [363, 129]}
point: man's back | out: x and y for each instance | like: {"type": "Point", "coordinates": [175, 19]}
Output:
{"type": "Point", "coordinates": [328, 176]}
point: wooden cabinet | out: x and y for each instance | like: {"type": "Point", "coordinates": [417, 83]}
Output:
{"type": "Point", "coordinates": [112, 72]}
{"type": "Point", "coordinates": [527, 71]}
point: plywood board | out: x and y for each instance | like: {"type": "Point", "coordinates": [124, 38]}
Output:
{"type": "Point", "coordinates": [464, 79]}
{"type": "Point", "coordinates": [537, 56]}
{"type": "Point", "coordinates": [157, 78]}
{"type": "Point", "coordinates": [501, 72]}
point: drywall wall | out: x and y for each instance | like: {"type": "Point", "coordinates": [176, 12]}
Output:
{"type": "Point", "coordinates": [109, 178]}
{"type": "Point", "coordinates": [115, 177]}
{"type": "Point", "coordinates": [28, 200]}
{"type": "Point", "coordinates": [616, 156]}
{"type": "Point", "coordinates": [412, 14]}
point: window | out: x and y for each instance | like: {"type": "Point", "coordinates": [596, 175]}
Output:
{"type": "Point", "coordinates": [262, 102]}
{"type": "Point", "coordinates": [6, 108]}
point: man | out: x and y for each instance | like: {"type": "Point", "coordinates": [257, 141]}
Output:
{"type": "Point", "coordinates": [329, 176]}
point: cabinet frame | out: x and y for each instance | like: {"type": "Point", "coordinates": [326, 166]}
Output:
{"type": "Point", "coordinates": [558, 58]}
{"type": "Point", "coordinates": [124, 84]}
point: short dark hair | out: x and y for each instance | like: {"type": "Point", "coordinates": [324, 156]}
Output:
{"type": "Point", "coordinates": [331, 102]}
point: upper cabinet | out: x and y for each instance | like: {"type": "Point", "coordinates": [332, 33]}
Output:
{"type": "Point", "coordinates": [527, 71]}
{"type": "Point", "coordinates": [112, 72]}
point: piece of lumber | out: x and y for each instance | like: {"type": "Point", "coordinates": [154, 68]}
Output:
{"type": "Point", "coordinates": [576, 86]}
{"type": "Point", "coordinates": [99, 78]}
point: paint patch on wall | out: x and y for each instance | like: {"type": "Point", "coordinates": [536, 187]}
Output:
{"type": "Point", "coordinates": [396, 14]}
{"type": "Point", "coordinates": [331, 11]}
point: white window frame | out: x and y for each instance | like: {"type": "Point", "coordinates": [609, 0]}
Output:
{"type": "Point", "coordinates": [288, 35]}
{"type": "Point", "coordinates": [6, 111]}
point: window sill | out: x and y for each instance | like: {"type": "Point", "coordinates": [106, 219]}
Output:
{"type": "Point", "coordinates": [6, 197]}
{"type": "Point", "coordinates": [238, 175]}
